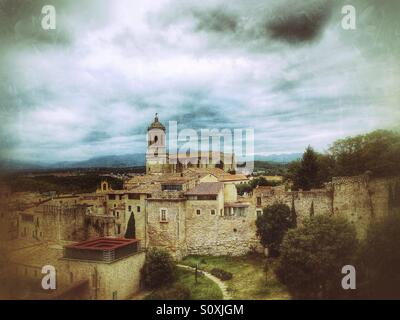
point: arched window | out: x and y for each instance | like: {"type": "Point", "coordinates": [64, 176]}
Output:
{"type": "Point", "coordinates": [155, 139]}
{"type": "Point", "coordinates": [104, 186]}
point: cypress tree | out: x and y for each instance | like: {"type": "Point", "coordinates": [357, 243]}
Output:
{"type": "Point", "coordinates": [312, 209]}
{"type": "Point", "coordinates": [293, 214]}
{"type": "Point", "coordinates": [131, 228]}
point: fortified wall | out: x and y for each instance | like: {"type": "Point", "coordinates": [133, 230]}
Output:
{"type": "Point", "coordinates": [358, 198]}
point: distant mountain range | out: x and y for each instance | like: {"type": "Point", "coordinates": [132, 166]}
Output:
{"type": "Point", "coordinates": [117, 161]}
{"type": "Point", "coordinates": [279, 158]}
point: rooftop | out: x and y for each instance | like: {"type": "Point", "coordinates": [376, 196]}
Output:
{"type": "Point", "coordinates": [102, 243]}
{"type": "Point", "coordinates": [206, 188]}
{"type": "Point", "coordinates": [105, 250]}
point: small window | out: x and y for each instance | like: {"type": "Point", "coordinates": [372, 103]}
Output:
{"type": "Point", "coordinates": [111, 197]}
{"type": "Point", "coordinates": [138, 208]}
{"type": "Point", "coordinates": [115, 205]}
{"type": "Point", "coordinates": [118, 215]}
{"type": "Point", "coordinates": [259, 201]}
{"type": "Point", "coordinates": [163, 215]}
{"type": "Point", "coordinates": [118, 228]}
{"type": "Point", "coordinates": [129, 208]}
{"type": "Point", "coordinates": [259, 213]}
{"type": "Point", "coordinates": [213, 212]}
{"type": "Point", "coordinates": [198, 212]}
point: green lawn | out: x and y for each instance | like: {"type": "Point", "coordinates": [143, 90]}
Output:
{"type": "Point", "coordinates": [249, 278]}
{"type": "Point", "coordinates": [204, 289]}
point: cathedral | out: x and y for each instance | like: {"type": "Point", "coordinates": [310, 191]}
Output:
{"type": "Point", "coordinates": [160, 161]}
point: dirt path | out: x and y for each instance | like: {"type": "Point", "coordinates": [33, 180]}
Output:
{"type": "Point", "coordinates": [222, 286]}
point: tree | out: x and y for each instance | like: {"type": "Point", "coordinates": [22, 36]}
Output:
{"type": "Point", "coordinates": [293, 214]}
{"type": "Point", "coordinates": [312, 257]}
{"type": "Point", "coordinates": [272, 226]}
{"type": "Point", "coordinates": [131, 228]}
{"type": "Point", "coordinates": [379, 262]}
{"type": "Point", "coordinates": [311, 171]}
{"type": "Point", "coordinates": [158, 270]}
{"type": "Point", "coordinates": [312, 209]}
{"type": "Point", "coordinates": [377, 152]}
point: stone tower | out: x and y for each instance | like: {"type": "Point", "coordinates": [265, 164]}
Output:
{"type": "Point", "coordinates": [156, 155]}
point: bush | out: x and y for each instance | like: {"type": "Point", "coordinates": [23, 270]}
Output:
{"type": "Point", "coordinates": [312, 257]}
{"type": "Point", "coordinates": [379, 261]}
{"type": "Point", "coordinates": [158, 270]}
{"type": "Point", "coordinates": [175, 292]}
{"type": "Point", "coordinates": [272, 226]}
{"type": "Point", "coordinates": [221, 274]}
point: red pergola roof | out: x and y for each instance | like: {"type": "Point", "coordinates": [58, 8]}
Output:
{"type": "Point", "coordinates": [103, 243]}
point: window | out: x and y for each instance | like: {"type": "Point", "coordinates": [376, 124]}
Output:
{"type": "Point", "coordinates": [198, 212]}
{"type": "Point", "coordinates": [118, 228]}
{"type": "Point", "coordinates": [259, 213]}
{"type": "Point", "coordinates": [163, 215]}
{"type": "Point", "coordinates": [129, 208]}
{"type": "Point", "coordinates": [138, 208]}
{"type": "Point", "coordinates": [118, 215]}
{"type": "Point", "coordinates": [115, 205]}
{"type": "Point", "coordinates": [213, 212]}
{"type": "Point", "coordinates": [259, 201]}
{"type": "Point", "coordinates": [133, 196]}
{"type": "Point", "coordinates": [111, 197]}
{"type": "Point", "coordinates": [115, 295]}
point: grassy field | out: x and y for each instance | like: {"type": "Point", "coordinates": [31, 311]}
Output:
{"type": "Point", "coordinates": [249, 279]}
{"type": "Point", "coordinates": [204, 289]}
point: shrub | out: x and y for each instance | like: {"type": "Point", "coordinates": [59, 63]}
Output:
{"type": "Point", "coordinates": [175, 292]}
{"type": "Point", "coordinates": [312, 257]}
{"type": "Point", "coordinates": [221, 274]}
{"type": "Point", "coordinates": [159, 269]}
{"type": "Point", "coordinates": [379, 261]}
{"type": "Point", "coordinates": [272, 226]}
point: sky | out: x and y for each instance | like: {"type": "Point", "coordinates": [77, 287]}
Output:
{"type": "Point", "coordinates": [286, 69]}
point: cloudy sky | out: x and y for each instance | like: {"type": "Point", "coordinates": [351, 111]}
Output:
{"type": "Point", "coordinates": [286, 69]}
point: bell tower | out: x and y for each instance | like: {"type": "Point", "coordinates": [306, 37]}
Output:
{"type": "Point", "coordinates": [156, 155]}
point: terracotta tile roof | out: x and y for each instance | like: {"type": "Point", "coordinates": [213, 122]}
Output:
{"type": "Point", "coordinates": [147, 188]}
{"type": "Point", "coordinates": [233, 177]}
{"type": "Point", "coordinates": [206, 188]}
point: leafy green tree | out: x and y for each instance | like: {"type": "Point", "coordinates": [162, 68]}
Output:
{"type": "Point", "coordinates": [272, 226]}
{"type": "Point", "coordinates": [377, 152]}
{"type": "Point", "coordinates": [158, 270]}
{"type": "Point", "coordinates": [379, 262]}
{"type": "Point", "coordinates": [312, 257]}
{"type": "Point", "coordinates": [131, 228]}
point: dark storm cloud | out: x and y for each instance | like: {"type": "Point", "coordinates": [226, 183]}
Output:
{"type": "Point", "coordinates": [299, 27]}
{"type": "Point", "coordinates": [253, 23]}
